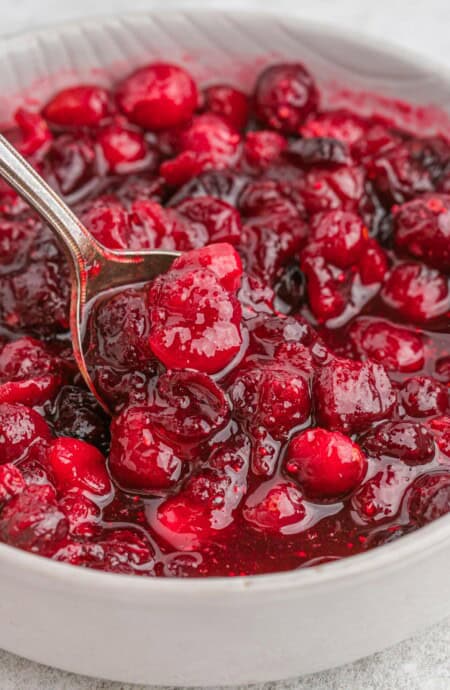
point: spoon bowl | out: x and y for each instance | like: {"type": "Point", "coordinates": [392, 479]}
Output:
{"type": "Point", "coordinates": [94, 269]}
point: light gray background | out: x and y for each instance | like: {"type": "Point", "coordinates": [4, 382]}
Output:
{"type": "Point", "coordinates": [422, 663]}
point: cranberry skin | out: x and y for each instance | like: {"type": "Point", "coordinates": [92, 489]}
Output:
{"type": "Point", "coordinates": [350, 396]}
{"type": "Point", "coordinates": [429, 498]}
{"type": "Point", "coordinates": [78, 106]}
{"type": "Point", "coordinates": [422, 396]}
{"type": "Point", "coordinates": [75, 464]}
{"type": "Point", "coordinates": [12, 482]}
{"type": "Point", "coordinates": [158, 96]}
{"type": "Point", "coordinates": [275, 396]}
{"type": "Point", "coordinates": [422, 227]}
{"type": "Point", "coordinates": [208, 142]}
{"type": "Point", "coordinates": [82, 513]}
{"type": "Point", "coordinates": [155, 227]}
{"type": "Point", "coordinates": [107, 220]}
{"type": "Point", "coordinates": [120, 330]}
{"type": "Point", "coordinates": [338, 124]}
{"type": "Point", "coordinates": [323, 288]}
{"type": "Point", "coordinates": [76, 413]}
{"type": "Point", "coordinates": [28, 372]}
{"type": "Point", "coordinates": [23, 432]}
{"type": "Point", "coordinates": [416, 292]}
{"type": "Point", "coordinates": [32, 521]}
{"type": "Point", "coordinates": [275, 509]}
{"type": "Point", "coordinates": [325, 188]}
{"type": "Point", "coordinates": [220, 220]}
{"type": "Point", "coordinates": [373, 264]}
{"type": "Point", "coordinates": [195, 322]}
{"type": "Point", "coordinates": [379, 498]}
{"type": "Point", "coordinates": [189, 406]}
{"type": "Point", "coordinates": [340, 237]}
{"type": "Point", "coordinates": [398, 349]}
{"type": "Point", "coordinates": [285, 94]}
{"type": "Point", "coordinates": [122, 147]}
{"type": "Point", "coordinates": [326, 464]}
{"type": "Point", "coordinates": [140, 460]}
{"type": "Point", "coordinates": [35, 135]}
{"type": "Point", "coordinates": [72, 165]}
{"type": "Point", "coordinates": [230, 103]}
{"type": "Point", "coordinates": [221, 259]}
{"type": "Point", "coordinates": [408, 441]}
{"type": "Point", "coordinates": [263, 148]}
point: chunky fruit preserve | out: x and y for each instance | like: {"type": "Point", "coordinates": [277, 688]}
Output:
{"type": "Point", "coordinates": [280, 397]}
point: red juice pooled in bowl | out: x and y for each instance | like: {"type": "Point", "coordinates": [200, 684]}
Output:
{"type": "Point", "coordinates": [280, 396]}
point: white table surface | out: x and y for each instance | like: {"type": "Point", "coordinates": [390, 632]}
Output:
{"type": "Point", "coordinates": [422, 663]}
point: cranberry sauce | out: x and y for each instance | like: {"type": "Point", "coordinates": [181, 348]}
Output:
{"type": "Point", "coordinates": [280, 397]}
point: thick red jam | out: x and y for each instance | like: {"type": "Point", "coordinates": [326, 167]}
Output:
{"type": "Point", "coordinates": [281, 395]}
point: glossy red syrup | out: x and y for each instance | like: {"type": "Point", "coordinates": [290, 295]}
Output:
{"type": "Point", "coordinates": [281, 395]}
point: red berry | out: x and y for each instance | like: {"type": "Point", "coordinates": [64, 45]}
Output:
{"type": "Point", "coordinates": [33, 521]}
{"type": "Point", "coordinates": [228, 102]}
{"type": "Point", "coordinates": [373, 264]}
{"type": "Point", "coordinates": [263, 147]}
{"type": "Point", "coordinates": [410, 442]}
{"type": "Point", "coordinates": [78, 106]}
{"type": "Point", "coordinates": [220, 220]}
{"type": "Point", "coordinates": [429, 497]}
{"type": "Point", "coordinates": [416, 292]}
{"type": "Point", "coordinates": [12, 482]}
{"type": "Point", "coordinates": [285, 95]}
{"type": "Point", "coordinates": [323, 287]}
{"type": "Point", "coordinates": [221, 259]}
{"type": "Point", "coordinates": [340, 237]}
{"type": "Point", "coordinates": [422, 227]}
{"type": "Point", "coordinates": [124, 148]}
{"type": "Point", "coordinates": [422, 396]}
{"type": "Point", "coordinates": [107, 220]}
{"type": "Point", "coordinates": [336, 124]}
{"type": "Point", "coordinates": [398, 349]}
{"type": "Point", "coordinates": [380, 497]}
{"type": "Point", "coordinates": [140, 459]}
{"type": "Point", "coordinates": [82, 513]}
{"type": "Point", "coordinates": [325, 188]}
{"type": "Point", "coordinates": [350, 396]}
{"type": "Point", "coordinates": [75, 464]}
{"type": "Point", "coordinates": [326, 464]}
{"type": "Point", "coordinates": [195, 322]}
{"type": "Point", "coordinates": [158, 96]}
{"type": "Point", "coordinates": [23, 433]}
{"type": "Point", "coordinates": [35, 136]}
{"type": "Point", "coordinates": [275, 509]}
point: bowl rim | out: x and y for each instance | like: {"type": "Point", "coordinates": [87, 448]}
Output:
{"type": "Point", "coordinates": [409, 547]}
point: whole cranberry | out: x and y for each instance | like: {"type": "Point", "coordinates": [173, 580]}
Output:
{"type": "Point", "coordinates": [82, 513]}
{"type": "Point", "coordinates": [429, 497]}
{"type": "Point", "coordinates": [408, 441]}
{"type": "Point", "coordinates": [323, 286]}
{"type": "Point", "coordinates": [416, 292]}
{"type": "Point", "coordinates": [23, 432]}
{"type": "Point", "coordinates": [220, 220]}
{"type": "Point", "coordinates": [336, 124]}
{"type": "Point", "coordinates": [123, 148]}
{"type": "Point", "coordinates": [32, 521]}
{"type": "Point", "coordinates": [373, 264]}
{"type": "Point", "coordinates": [326, 464]}
{"type": "Point", "coordinates": [220, 259]}
{"type": "Point", "coordinates": [12, 482]}
{"type": "Point", "coordinates": [263, 147]}
{"type": "Point", "coordinates": [379, 498]}
{"type": "Point", "coordinates": [285, 94]}
{"type": "Point", "coordinates": [230, 103]}
{"type": "Point", "coordinates": [75, 464]}
{"type": "Point", "coordinates": [107, 220]}
{"type": "Point", "coordinates": [323, 188]}
{"type": "Point", "coordinates": [423, 396]}
{"type": "Point", "coordinates": [189, 406]}
{"type": "Point", "coordinates": [195, 322]}
{"type": "Point", "coordinates": [340, 237]}
{"type": "Point", "coordinates": [350, 396]}
{"type": "Point", "coordinates": [156, 227]}
{"type": "Point", "coordinates": [422, 227]}
{"type": "Point", "coordinates": [399, 349]}
{"type": "Point", "coordinates": [275, 508]}
{"type": "Point", "coordinates": [158, 96]}
{"type": "Point", "coordinates": [140, 459]}
{"type": "Point", "coordinates": [35, 135]}
{"type": "Point", "coordinates": [29, 374]}
{"type": "Point", "coordinates": [78, 106]}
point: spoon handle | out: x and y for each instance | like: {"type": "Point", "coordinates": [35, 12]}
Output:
{"type": "Point", "coordinates": [77, 242]}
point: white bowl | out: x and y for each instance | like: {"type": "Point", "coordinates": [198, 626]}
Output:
{"type": "Point", "coordinates": [221, 630]}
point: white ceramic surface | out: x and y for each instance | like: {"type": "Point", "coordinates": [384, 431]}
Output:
{"type": "Point", "coordinates": [227, 631]}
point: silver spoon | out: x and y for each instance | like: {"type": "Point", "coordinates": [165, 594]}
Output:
{"type": "Point", "coordinates": [94, 269]}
